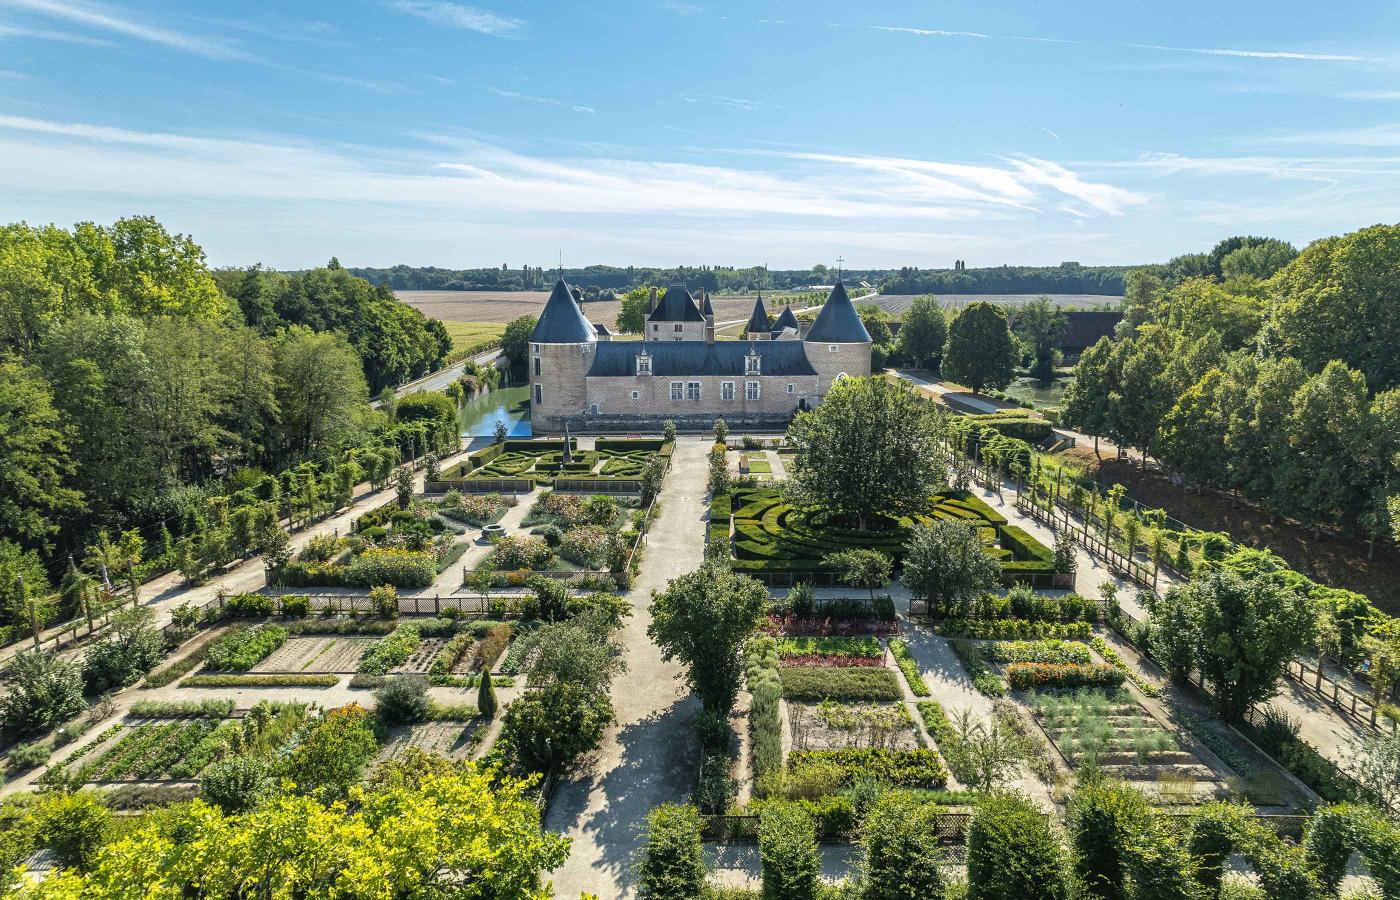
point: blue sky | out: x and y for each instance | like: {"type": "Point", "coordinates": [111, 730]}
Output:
{"type": "Point", "coordinates": [669, 131]}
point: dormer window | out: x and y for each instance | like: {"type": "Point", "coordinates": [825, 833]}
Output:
{"type": "Point", "coordinates": [643, 363]}
{"type": "Point", "coordinates": [751, 364]}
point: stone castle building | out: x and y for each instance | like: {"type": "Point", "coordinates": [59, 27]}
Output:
{"type": "Point", "coordinates": [582, 378]}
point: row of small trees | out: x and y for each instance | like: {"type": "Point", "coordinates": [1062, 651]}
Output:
{"type": "Point", "coordinates": [1116, 846]}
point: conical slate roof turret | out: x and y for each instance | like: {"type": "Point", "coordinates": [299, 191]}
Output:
{"type": "Point", "coordinates": [705, 306]}
{"type": "Point", "coordinates": [758, 322]}
{"type": "Point", "coordinates": [676, 305]}
{"type": "Point", "coordinates": [562, 322]}
{"type": "Point", "coordinates": [786, 320]}
{"type": "Point", "coordinates": [838, 322]}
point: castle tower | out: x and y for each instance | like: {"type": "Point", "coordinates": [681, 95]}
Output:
{"type": "Point", "coordinates": [561, 351]}
{"type": "Point", "coordinates": [838, 343]}
{"type": "Point", "coordinates": [787, 321]}
{"type": "Point", "coordinates": [758, 327]}
{"type": "Point", "coordinates": [677, 317]}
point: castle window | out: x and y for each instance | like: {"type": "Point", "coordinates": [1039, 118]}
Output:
{"type": "Point", "coordinates": [535, 348]}
{"type": "Point", "coordinates": [751, 364]}
{"type": "Point", "coordinates": [593, 409]}
{"type": "Point", "coordinates": [692, 390]}
{"type": "Point", "coordinates": [751, 390]}
{"type": "Point", "coordinates": [677, 390]}
{"type": "Point", "coordinates": [539, 395]}
{"type": "Point", "coordinates": [726, 390]}
{"type": "Point", "coordinates": [636, 395]}
{"type": "Point", "coordinates": [655, 327]}
{"type": "Point", "coordinates": [833, 348]}
{"type": "Point", "coordinates": [678, 327]}
{"type": "Point", "coordinates": [537, 367]}
{"type": "Point", "coordinates": [643, 364]}
{"type": "Point", "coordinates": [792, 388]}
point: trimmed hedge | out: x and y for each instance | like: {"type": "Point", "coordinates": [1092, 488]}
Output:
{"type": "Point", "coordinates": [260, 681]}
{"type": "Point", "coordinates": [840, 684]}
{"type": "Point", "coordinates": [1043, 676]}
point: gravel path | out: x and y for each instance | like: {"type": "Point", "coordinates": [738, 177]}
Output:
{"type": "Point", "coordinates": [647, 758]}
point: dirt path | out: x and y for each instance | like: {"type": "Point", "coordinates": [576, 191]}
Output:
{"type": "Point", "coordinates": [647, 758]}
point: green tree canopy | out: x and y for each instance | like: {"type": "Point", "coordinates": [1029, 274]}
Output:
{"type": "Point", "coordinates": [923, 333]}
{"type": "Point", "coordinates": [980, 352]}
{"type": "Point", "coordinates": [869, 449]}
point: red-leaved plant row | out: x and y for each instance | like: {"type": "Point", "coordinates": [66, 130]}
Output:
{"type": "Point", "coordinates": [795, 627]}
{"type": "Point", "coordinates": [820, 661]}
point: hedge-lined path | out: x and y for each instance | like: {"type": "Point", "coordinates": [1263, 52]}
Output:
{"type": "Point", "coordinates": [648, 756]}
{"type": "Point", "coordinates": [165, 592]}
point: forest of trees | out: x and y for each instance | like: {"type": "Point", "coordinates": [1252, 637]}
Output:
{"type": "Point", "coordinates": [1259, 369]}
{"type": "Point", "coordinates": [619, 279]}
{"type": "Point", "coordinates": [140, 392]}
{"type": "Point", "coordinates": [1066, 278]}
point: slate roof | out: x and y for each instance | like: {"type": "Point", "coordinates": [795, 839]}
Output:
{"type": "Point", "coordinates": [786, 320]}
{"type": "Point", "coordinates": [705, 307]}
{"type": "Point", "coordinates": [696, 358]}
{"type": "Point", "coordinates": [602, 329]}
{"type": "Point", "coordinates": [676, 305]}
{"type": "Point", "coordinates": [838, 322]}
{"type": "Point", "coordinates": [759, 320]}
{"type": "Point", "coordinates": [562, 322]}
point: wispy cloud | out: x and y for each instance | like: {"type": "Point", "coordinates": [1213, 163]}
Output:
{"type": "Point", "coordinates": [1369, 95]}
{"type": "Point", "coordinates": [106, 19]}
{"type": "Point", "coordinates": [1258, 54]}
{"type": "Point", "coordinates": [681, 8]}
{"type": "Point", "coordinates": [939, 32]}
{"type": "Point", "coordinates": [1385, 135]}
{"type": "Point", "coordinates": [1049, 132]}
{"type": "Point", "coordinates": [41, 34]}
{"type": "Point", "coordinates": [731, 102]}
{"type": "Point", "coordinates": [531, 98]}
{"type": "Point", "coordinates": [456, 15]}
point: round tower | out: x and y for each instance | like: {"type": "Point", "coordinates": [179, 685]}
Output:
{"type": "Point", "coordinates": [561, 352]}
{"type": "Point", "coordinates": [838, 343]}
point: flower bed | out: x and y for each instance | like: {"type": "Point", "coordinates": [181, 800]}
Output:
{"type": "Point", "coordinates": [520, 552]}
{"type": "Point", "coordinates": [820, 661]}
{"type": "Point", "coordinates": [243, 681]}
{"type": "Point", "coordinates": [1015, 629]}
{"type": "Point", "coordinates": [840, 683]}
{"type": "Point", "coordinates": [1040, 676]}
{"type": "Point", "coordinates": [909, 666]}
{"type": "Point", "coordinates": [899, 768]}
{"type": "Point", "coordinates": [867, 647]}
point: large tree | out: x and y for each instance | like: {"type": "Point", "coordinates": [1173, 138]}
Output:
{"type": "Point", "coordinates": [946, 564]}
{"type": "Point", "coordinates": [1337, 300]}
{"type": "Point", "coordinates": [1248, 630]}
{"type": "Point", "coordinates": [1088, 405]}
{"type": "Point", "coordinates": [980, 351]}
{"type": "Point", "coordinates": [703, 619]}
{"type": "Point", "coordinates": [1041, 326]}
{"type": "Point", "coordinates": [515, 343]}
{"type": "Point", "coordinates": [321, 390]}
{"type": "Point", "coordinates": [923, 333]}
{"type": "Point", "coordinates": [34, 456]}
{"type": "Point", "coordinates": [868, 450]}
{"type": "Point", "coordinates": [632, 314]}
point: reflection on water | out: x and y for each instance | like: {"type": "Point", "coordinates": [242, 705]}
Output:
{"type": "Point", "coordinates": [1037, 393]}
{"type": "Point", "coordinates": [510, 405]}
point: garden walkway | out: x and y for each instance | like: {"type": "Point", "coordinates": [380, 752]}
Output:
{"type": "Point", "coordinates": [647, 757]}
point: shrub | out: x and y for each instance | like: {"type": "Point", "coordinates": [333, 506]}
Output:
{"type": "Point", "coordinates": [840, 684]}
{"type": "Point", "coordinates": [295, 606]}
{"type": "Point", "coordinates": [909, 666]}
{"type": "Point", "coordinates": [28, 756]}
{"type": "Point", "coordinates": [74, 826]}
{"type": "Point", "coordinates": [402, 700]}
{"type": "Point", "coordinates": [248, 606]}
{"type": "Point", "coordinates": [391, 650]}
{"type": "Point", "coordinates": [238, 681]}
{"type": "Point", "coordinates": [131, 648]}
{"type": "Point", "coordinates": [44, 690]}
{"type": "Point", "coordinates": [899, 768]}
{"type": "Point", "coordinates": [330, 758]}
{"type": "Point", "coordinates": [1016, 629]}
{"type": "Point", "coordinates": [236, 784]}
{"type": "Point", "coordinates": [586, 545]}
{"type": "Point", "coordinates": [787, 846]}
{"type": "Point", "coordinates": [1040, 676]}
{"type": "Point", "coordinates": [550, 728]}
{"type": "Point", "coordinates": [385, 600]}
{"type": "Point", "coordinates": [1103, 818]}
{"type": "Point", "coordinates": [901, 847]}
{"type": "Point", "coordinates": [1013, 854]}
{"type": "Point", "coordinates": [486, 703]}
{"type": "Point", "coordinates": [1046, 651]}
{"type": "Point", "coordinates": [673, 860]}
{"type": "Point", "coordinates": [765, 718]}
{"type": "Point", "coordinates": [390, 565]}
{"type": "Point", "coordinates": [242, 648]}
{"type": "Point", "coordinates": [516, 552]}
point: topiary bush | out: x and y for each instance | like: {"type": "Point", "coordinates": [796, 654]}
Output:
{"type": "Point", "coordinates": [901, 850]}
{"type": "Point", "coordinates": [1012, 852]}
{"type": "Point", "coordinates": [403, 700]}
{"type": "Point", "coordinates": [673, 860]}
{"type": "Point", "coordinates": [787, 846]}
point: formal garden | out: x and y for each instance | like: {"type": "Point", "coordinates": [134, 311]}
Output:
{"type": "Point", "coordinates": [613, 465]}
